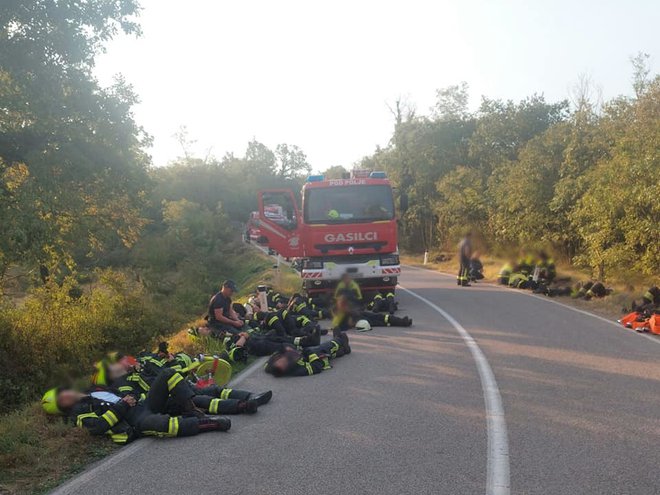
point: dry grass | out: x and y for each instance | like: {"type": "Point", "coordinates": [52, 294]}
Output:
{"type": "Point", "coordinates": [38, 452]}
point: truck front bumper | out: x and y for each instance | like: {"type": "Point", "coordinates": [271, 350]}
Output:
{"type": "Point", "coordinates": [317, 285]}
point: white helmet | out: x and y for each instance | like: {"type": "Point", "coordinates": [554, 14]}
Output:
{"type": "Point", "coordinates": [362, 326]}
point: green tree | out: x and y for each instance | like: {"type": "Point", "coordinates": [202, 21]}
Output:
{"type": "Point", "coordinates": [452, 102]}
{"type": "Point", "coordinates": [79, 152]}
{"type": "Point", "coordinates": [291, 161]}
{"type": "Point", "coordinates": [503, 128]}
{"type": "Point", "coordinates": [335, 172]}
{"type": "Point", "coordinates": [521, 191]}
{"type": "Point", "coordinates": [462, 203]}
{"type": "Point", "coordinates": [619, 214]}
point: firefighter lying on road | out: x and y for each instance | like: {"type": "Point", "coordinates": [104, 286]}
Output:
{"type": "Point", "coordinates": [127, 377]}
{"type": "Point", "coordinates": [290, 361]}
{"type": "Point", "coordinates": [347, 317]}
{"type": "Point", "coordinates": [103, 411]}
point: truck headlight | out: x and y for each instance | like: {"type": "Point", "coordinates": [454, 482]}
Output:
{"type": "Point", "coordinates": [313, 265]}
{"type": "Point", "coordinates": [389, 259]}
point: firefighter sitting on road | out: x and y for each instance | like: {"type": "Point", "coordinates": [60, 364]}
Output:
{"type": "Point", "coordinates": [282, 323]}
{"type": "Point", "coordinates": [276, 300]}
{"type": "Point", "coordinates": [350, 289]}
{"type": "Point", "coordinates": [310, 361]}
{"type": "Point", "coordinates": [302, 306]}
{"type": "Point", "coordinates": [103, 411]}
{"type": "Point", "coordinates": [383, 303]}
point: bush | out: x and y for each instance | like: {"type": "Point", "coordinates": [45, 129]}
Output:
{"type": "Point", "coordinates": [54, 336]}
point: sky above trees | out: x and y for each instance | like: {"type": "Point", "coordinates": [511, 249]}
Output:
{"type": "Point", "coordinates": [322, 75]}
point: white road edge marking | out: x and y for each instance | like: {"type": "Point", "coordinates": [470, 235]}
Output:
{"type": "Point", "coordinates": [546, 299]}
{"type": "Point", "coordinates": [497, 479]}
{"type": "Point", "coordinates": [76, 483]}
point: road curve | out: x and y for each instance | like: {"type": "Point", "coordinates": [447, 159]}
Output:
{"type": "Point", "coordinates": [406, 411]}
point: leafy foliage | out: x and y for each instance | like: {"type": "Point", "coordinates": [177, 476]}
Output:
{"type": "Point", "coordinates": [534, 173]}
{"type": "Point", "coordinates": [61, 328]}
{"type": "Point", "coordinates": [72, 169]}
{"type": "Point", "coordinates": [125, 253]}
{"type": "Point", "coordinates": [619, 213]}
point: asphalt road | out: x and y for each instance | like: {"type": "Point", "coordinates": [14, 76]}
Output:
{"type": "Point", "coordinates": [406, 411]}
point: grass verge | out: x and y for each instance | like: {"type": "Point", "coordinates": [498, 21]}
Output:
{"type": "Point", "coordinates": [37, 452]}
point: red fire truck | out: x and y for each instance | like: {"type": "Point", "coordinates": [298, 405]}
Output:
{"type": "Point", "coordinates": [252, 231]}
{"type": "Point", "coordinates": [271, 212]}
{"type": "Point", "coordinates": [344, 226]}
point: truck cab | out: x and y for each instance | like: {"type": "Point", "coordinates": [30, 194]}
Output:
{"type": "Point", "coordinates": [343, 226]}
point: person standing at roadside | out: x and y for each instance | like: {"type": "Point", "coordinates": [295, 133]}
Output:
{"type": "Point", "coordinates": [464, 256]}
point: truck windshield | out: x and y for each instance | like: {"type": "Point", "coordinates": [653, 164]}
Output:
{"type": "Point", "coordinates": [349, 204]}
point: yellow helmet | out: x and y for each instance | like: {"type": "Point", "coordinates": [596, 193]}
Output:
{"type": "Point", "coordinates": [100, 376]}
{"type": "Point", "coordinates": [185, 360]}
{"type": "Point", "coordinates": [333, 214]}
{"type": "Point", "coordinates": [49, 402]}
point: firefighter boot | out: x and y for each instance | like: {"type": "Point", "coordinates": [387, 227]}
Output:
{"type": "Point", "coordinates": [248, 406]}
{"type": "Point", "coordinates": [262, 398]}
{"type": "Point", "coordinates": [214, 423]}
{"type": "Point", "coordinates": [345, 348]}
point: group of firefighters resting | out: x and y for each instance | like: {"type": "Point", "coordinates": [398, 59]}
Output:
{"type": "Point", "coordinates": [159, 394]}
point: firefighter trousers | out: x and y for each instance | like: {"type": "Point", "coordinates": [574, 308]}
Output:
{"type": "Point", "coordinates": [463, 271]}
{"type": "Point", "coordinates": [151, 417]}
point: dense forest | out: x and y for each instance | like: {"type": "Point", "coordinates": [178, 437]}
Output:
{"type": "Point", "coordinates": [580, 176]}
{"type": "Point", "coordinates": [100, 250]}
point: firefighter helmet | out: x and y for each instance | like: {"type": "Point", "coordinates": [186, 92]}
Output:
{"type": "Point", "coordinates": [363, 326]}
{"type": "Point", "coordinates": [100, 376]}
{"type": "Point", "coordinates": [49, 402]}
{"type": "Point", "coordinates": [333, 214]}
